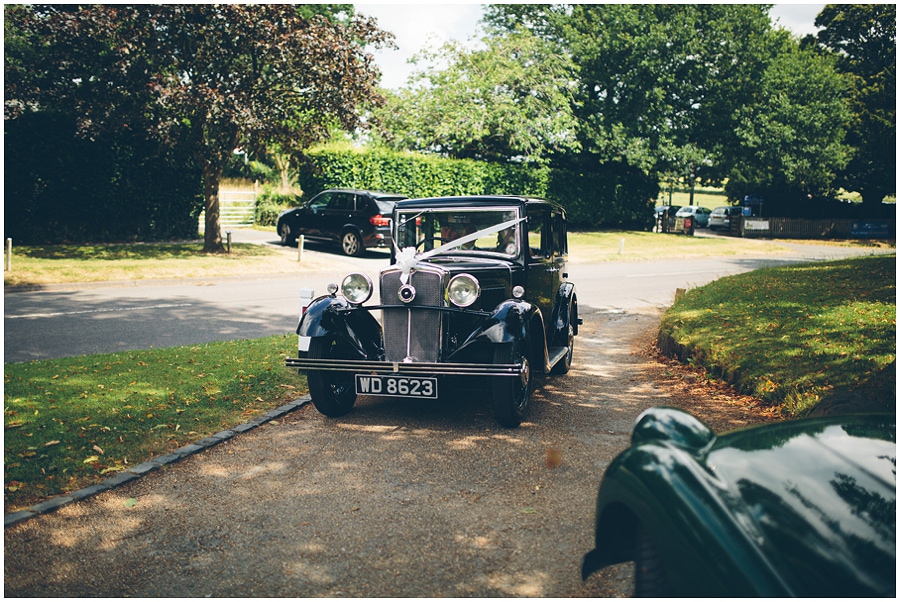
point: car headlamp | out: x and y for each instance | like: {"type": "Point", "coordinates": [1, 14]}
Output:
{"type": "Point", "coordinates": [357, 288]}
{"type": "Point", "coordinates": [463, 290]}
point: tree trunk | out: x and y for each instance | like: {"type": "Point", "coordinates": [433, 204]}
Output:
{"type": "Point", "coordinates": [872, 197]}
{"type": "Point", "coordinates": [212, 238]}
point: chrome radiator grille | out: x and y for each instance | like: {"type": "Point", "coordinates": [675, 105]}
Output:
{"type": "Point", "coordinates": [410, 330]}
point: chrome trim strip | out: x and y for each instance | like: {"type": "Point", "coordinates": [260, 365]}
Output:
{"type": "Point", "coordinates": [418, 368]}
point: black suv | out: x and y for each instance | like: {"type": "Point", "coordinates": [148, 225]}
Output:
{"type": "Point", "coordinates": [357, 219]}
{"type": "Point", "coordinates": [477, 288]}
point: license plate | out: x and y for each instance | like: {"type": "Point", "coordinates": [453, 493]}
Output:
{"type": "Point", "coordinates": [396, 386]}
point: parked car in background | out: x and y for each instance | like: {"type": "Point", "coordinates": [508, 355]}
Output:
{"type": "Point", "coordinates": [477, 289]}
{"type": "Point", "coordinates": [797, 508]}
{"type": "Point", "coordinates": [721, 217]}
{"type": "Point", "coordinates": [662, 213]}
{"type": "Point", "coordinates": [356, 219]}
{"type": "Point", "coordinates": [700, 215]}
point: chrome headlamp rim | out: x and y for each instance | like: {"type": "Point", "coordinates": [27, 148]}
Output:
{"type": "Point", "coordinates": [356, 288]}
{"type": "Point", "coordinates": [470, 282]}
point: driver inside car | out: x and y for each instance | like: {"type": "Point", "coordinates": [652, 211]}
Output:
{"type": "Point", "coordinates": [456, 227]}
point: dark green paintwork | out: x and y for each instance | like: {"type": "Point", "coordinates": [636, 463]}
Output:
{"type": "Point", "coordinates": [799, 508]}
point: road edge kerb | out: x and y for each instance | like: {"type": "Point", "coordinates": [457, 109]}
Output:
{"type": "Point", "coordinates": [152, 465]}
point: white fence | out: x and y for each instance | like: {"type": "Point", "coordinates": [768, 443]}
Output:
{"type": "Point", "coordinates": [236, 208]}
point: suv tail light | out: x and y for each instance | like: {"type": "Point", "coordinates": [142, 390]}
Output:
{"type": "Point", "coordinates": [380, 220]}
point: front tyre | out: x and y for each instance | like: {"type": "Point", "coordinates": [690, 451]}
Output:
{"type": "Point", "coordinates": [511, 394]}
{"type": "Point", "coordinates": [649, 576]}
{"type": "Point", "coordinates": [333, 393]}
{"type": "Point", "coordinates": [351, 244]}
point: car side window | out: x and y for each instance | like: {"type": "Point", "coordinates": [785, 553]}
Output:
{"type": "Point", "coordinates": [539, 233]}
{"type": "Point", "coordinates": [560, 239]}
{"type": "Point", "coordinates": [341, 202]}
{"type": "Point", "coordinates": [319, 202]}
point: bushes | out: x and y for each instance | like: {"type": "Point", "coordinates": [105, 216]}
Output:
{"type": "Point", "coordinates": [611, 196]}
{"type": "Point", "coordinates": [62, 188]}
{"type": "Point", "coordinates": [270, 203]}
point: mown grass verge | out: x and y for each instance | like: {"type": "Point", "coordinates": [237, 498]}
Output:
{"type": "Point", "coordinates": [73, 422]}
{"type": "Point", "coordinates": [58, 264]}
{"type": "Point", "coordinates": [791, 335]}
{"type": "Point", "coordinates": [591, 247]}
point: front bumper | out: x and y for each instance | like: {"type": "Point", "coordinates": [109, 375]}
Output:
{"type": "Point", "coordinates": [407, 368]}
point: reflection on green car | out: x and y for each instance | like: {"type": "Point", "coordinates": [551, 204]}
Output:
{"type": "Point", "coordinates": [798, 508]}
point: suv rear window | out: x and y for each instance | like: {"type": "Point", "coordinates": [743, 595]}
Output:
{"type": "Point", "coordinates": [385, 206]}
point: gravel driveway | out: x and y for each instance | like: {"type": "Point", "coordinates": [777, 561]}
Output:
{"type": "Point", "coordinates": [399, 498]}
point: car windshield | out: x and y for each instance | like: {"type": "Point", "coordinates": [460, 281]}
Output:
{"type": "Point", "coordinates": [459, 230]}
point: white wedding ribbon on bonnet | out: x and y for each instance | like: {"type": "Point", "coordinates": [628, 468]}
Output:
{"type": "Point", "coordinates": [407, 258]}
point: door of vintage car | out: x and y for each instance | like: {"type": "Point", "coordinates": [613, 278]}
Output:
{"type": "Point", "coordinates": [546, 257]}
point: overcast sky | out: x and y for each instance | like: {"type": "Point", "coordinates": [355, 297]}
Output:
{"type": "Point", "coordinates": [415, 24]}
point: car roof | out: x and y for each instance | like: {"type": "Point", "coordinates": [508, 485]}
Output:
{"type": "Point", "coordinates": [372, 193]}
{"type": "Point", "coordinates": [476, 201]}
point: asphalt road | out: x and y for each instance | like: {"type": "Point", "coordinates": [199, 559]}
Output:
{"type": "Point", "coordinates": [63, 321]}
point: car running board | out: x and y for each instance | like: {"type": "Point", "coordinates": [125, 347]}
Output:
{"type": "Point", "coordinates": [556, 354]}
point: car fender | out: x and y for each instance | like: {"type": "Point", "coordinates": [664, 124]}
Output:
{"type": "Point", "coordinates": [560, 317]}
{"type": "Point", "coordinates": [507, 323]}
{"type": "Point", "coordinates": [511, 321]}
{"type": "Point", "coordinates": [350, 227]}
{"type": "Point", "coordinates": [698, 527]}
{"type": "Point", "coordinates": [337, 317]}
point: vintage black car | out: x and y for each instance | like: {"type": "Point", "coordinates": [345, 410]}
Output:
{"type": "Point", "coordinates": [477, 288]}
{"type": "Point", "coordinates": [356, 219]}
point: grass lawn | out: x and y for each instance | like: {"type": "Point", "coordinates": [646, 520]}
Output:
{"type": "Point", "coordinates": [791, 335]}
{"type": "Point", "coordinates": [68, 423]}
{"type": "Point", "coordinates": [593, 247]}
{"type": "Point", "coordinates": [57, 264]}
{"type": "Point", "coordinates": [709, 198]}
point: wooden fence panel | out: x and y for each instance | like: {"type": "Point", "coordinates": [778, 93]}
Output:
{"type": "Point", "coordinates": [236, 208]}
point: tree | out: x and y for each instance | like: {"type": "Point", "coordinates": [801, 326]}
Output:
{"type": "Point", "coordinates": [792, 134]}
{"type": "Point", "coordinates": [658, 83]}
{"type": "Point", "coordinates": [213, 77]}
{"type": "Point", "coordinates": [708, 90]}
{"type": "Point", "coordinates": [510, 100]}
{"type": "Point", "coordinates": [864, 37]}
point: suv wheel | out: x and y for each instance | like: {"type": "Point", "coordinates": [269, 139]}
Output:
{"type": "Point", "coordinates": [333, 393]}
{"type": "Point", "coordinates": [284, 231]}
{"type": "Point", "coordinates": [511, 395]}
{"type": "Point", "coordinates": [351, 243]}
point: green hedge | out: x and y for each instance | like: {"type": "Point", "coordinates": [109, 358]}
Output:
{"type": "Point", "coordinates": [61, 188]}
{"type": "Point", "coordinates": [610, 196]}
